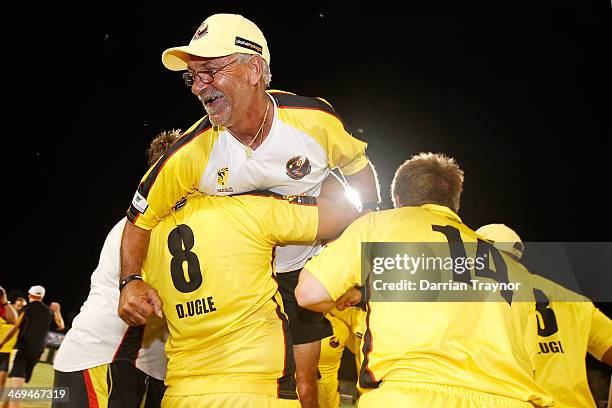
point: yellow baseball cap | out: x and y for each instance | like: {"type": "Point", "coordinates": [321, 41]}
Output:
{"type": "Point", "coordinates": [218, 36]}
{"type": "Point", "coordinates": [504, 238]}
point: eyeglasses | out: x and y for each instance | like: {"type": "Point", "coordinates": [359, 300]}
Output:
{"type": "Point", "coordinates": [206, 75]}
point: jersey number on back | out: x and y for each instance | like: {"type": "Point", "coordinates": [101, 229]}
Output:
{"type": "Point", "coordinates": [484, 249]}
{"type": "Point", "coordinates": [180, 243]}
{"type": "Point", "coordinates": [547, 324]}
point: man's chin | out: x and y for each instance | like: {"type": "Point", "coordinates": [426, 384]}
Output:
{"type": "Point", "coordinates": [215, 119]}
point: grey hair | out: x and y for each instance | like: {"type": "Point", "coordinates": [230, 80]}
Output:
{"type": "Point", "coordinates": [267, 75]}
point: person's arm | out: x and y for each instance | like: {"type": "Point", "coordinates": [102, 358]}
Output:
{"type": "Point", "coordinates": [607, 357]}
{"type": "Point", "coordinates": [57, 315]}
{"type": "Point", "coordinates": [12, 332]}
{"type": "Point", "coordinates": [346, 153]}
{"type": "Point", "coordinates": [134, 246]}
{"type": "Point", "coordinates": [172, 178]}
{"type": "Point", "coordinates": [9, 335]}
{"type": "Point", "coordinates": [312, 295]}
{"type": "Point", "coordinates": [365, 183]}
{"type": "Point", "coordinates": [331, 275]}
{"type": "Point", "coordinates": [336, 211]}
{"type": "Point", "coordinates": [10, 314]}
{"type": "Point", "coordinates": [350, 298]}
{"type": "Point", "coordinates": [137, 300]}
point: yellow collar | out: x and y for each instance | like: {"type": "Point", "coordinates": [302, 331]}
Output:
{"type": "Point", "coordinates": [443, 211]}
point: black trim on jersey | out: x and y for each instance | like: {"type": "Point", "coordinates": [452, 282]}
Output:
{"type": "Point", "coordinates": [132, 214]}
{"type": "Point", "coordinates": [292, 199]}
{"type": "Point", "coordinates": [130, 344]}
{"type": "Point", "coordinates": [180, 204]}
{"type": "Point", "coordinates": [286, 383]}
{"type": "Point", "coordinates": [366, 377]}
{"type": "Point", "coordinates": [284, 100]}
{"type": "Point", "coordinates": [260, 193]}
{"type": "Point", "coordinates": [145, 186]}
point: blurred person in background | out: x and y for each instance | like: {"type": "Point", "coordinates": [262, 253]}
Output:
{"type": "Point", "coordinates": [8, 317]}
{"type": "Point", "coordinates": [19, 303]}
{"type": "Point", "coordinates": [7, 311]}
{"type": "Point", "coordinates": [33, 324]}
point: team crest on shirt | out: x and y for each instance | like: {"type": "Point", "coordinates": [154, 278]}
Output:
{"type": "Point", "coordinates": [333, 342]}
{"type": "Point", "coordinates": [139, 202]}
{"type": "Point", "coordinates": [298, 167]}
{"type": "Point", "coordinates": [222, 180]}
{"type": "Point", "coordinates": [200, 32]}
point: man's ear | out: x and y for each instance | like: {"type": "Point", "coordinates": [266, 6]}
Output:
{"type": "Point", "coordinates": [396, 201]}
{"type": "Point", "coordinates": [256, 68]}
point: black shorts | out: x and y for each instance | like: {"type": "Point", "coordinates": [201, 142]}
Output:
{"type": "Point", "coordinates": [155, 393]}
{"type": "Point", "coordinates": [119, 383]}
{"type": "Point", "coordinates": [4, 360]}
{"type": "Point", "coordinates": [306, 326]}
{"type": "Point", "coordinates": [24, 363]}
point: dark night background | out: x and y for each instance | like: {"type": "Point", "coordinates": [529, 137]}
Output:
{"type": "Point", "coordinates": [520, 98]}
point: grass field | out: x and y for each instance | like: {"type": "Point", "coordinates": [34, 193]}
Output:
{"type": "Point", "coordinates": [41, 377]}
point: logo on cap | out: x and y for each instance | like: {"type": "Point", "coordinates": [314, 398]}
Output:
{"type": "Point", "coordinates": [241, 42]}
{"type": "Point", "coordinates": [201, 32]}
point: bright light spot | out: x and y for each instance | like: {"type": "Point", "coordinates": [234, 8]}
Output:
{"type": "Point", "coordinates": [353, 196]}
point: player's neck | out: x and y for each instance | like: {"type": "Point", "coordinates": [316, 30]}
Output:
{"type": "Point", "coordinates": [259, 115]}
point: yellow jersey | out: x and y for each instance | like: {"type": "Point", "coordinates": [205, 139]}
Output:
{"type": "Point", "coordinates": [476, 345]}
{"type": "Point", "coordinates": [306, 140]}
{"type": "Point", "coordinates": [332, 348]}
{"type": "Point", "coordinates": [348, 326]}
{"type": "Point", "coordinates": [354, 319]}
{"type": "Point", "coordinates": [569, 325]}
{"type": "Point", "coordinates": [5, 327]}
{"type": "Point", "coordinates": [212, 263]}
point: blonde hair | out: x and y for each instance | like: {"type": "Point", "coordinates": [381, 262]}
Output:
{"type": "Point", "coordinates": [428, 178]}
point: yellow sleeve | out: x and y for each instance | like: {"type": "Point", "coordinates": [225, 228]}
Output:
{"type": "Point", "coordinates": [338, 266]}
{"type": "Point", "coordinates": [292, 219]}
{"type": "Point", "coordinates": [174, 176]}
{"type": "Point", "coordinates": [319, 120]}
{"type": "Point", "coordinates": [600, 337]}
{"type": "Point", "coordinates": [343, 150]}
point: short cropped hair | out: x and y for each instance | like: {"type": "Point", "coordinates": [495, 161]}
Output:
{"type": "Point", "coordinates": [266, 74]}
{"type": "Point", "coordinates": [160, 144]}
{"type": "Point", "coordinates": [428, 178]}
